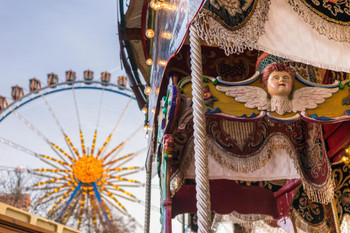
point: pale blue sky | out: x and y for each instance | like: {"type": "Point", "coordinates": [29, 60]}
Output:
{"type": "Point", "coordinates": [43, 36]}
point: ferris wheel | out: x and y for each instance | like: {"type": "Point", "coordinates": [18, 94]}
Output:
{"type": "Point", "coordinates": [84, 140]}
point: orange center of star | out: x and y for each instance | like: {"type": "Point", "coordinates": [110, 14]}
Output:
{"type": "Point", "coordinates": [88, 169]}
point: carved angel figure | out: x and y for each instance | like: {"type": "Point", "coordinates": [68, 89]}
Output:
{"type": "Point", "coordinates": [277, 95]}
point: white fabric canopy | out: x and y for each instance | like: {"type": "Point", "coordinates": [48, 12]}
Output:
{"type": "Point", "coordinates": [277, 29]}
{"type": "Point", "coordinates": [279, 167]}
{"type": "Point", "coordinates": [288, 35]}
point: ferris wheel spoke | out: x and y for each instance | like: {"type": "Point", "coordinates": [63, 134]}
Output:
{"type": "Point", "coordinates": [93, 143]}
{"type": "Point", "coordinates": [106, 143]}
{"type": "Point", "coordinates": [70, 210]}
{"type": "Point", "coordinates": [128, 173]}
{"type": "Point", "coordinates": [118, 169]}
{"type": "Point", "coordinates": [121, 178]}
{"type": "Point", "coordinates": [111, 202]}
{"type": "Point", "coordinates": [63, 152]}
{"type": "Point", "coordinates": [129, 157]}
{"type": "Point", "coordinates": [100, 202]}
{"type": "Point", "coordinates": [81, 208]}
{"type": "Point", "coordinates": [75, 192]}
{"type": "Point", "coordinates": [59, 196]}
{"type": "Point", "coordinates": [33, 128]}
{"type": "Point", "coordinates": [138, 224]}
{"type": "Point", "coordinates": [76, 108]}
{"type": "Point", "coordinates": [45, 158]}
{"type": "Point", "coordinates": [18, 147]}
{"type": "Point", "coordinates": [122, 145]}
{"type": "Point", "coordinates": [29, 125]}
{"type": "Point", "coordinates": [116, 160]}
{"type": "Point", "coordinates": [45, 175]}
{"type": "Point", "coordinates": [93, 207]}
{"type": "Point", "coordinates": [51, 181]}
{"type": "Point", "coordinates": [71, 146]}
{"type": "Point", "coordinates": [135, 200]}
{"type": "Point", "coordinates": [97, 124]}
{"type": "Point", "coordinates": [56, 190]}
{"type": "Point", "coordinates": [124, 197]}
{"type": "Point", "coordinates": [50, 170]}
{"type": "Point", "coordinates": [119, 147]}
{"type": "Point", "coordinates": [131, 185]}
{"type": "Point", "coordinates": [116, 187]}
{"type": "Point", "coordinates": [53, 115]}
{"type": "Point", "coordinates": [41, 188]}
{"type": "Point", "coordinates": [82, 142]}
{"type": "Point", "coordinates": [110, 195]}
{"type": "Point", "coordinates": [79, 122]}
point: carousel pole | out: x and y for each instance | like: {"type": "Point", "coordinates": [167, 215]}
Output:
{"type": "Point", "coordinates": [148, 194]}
{"type": "Point", "coordinates": [335, 215]}
{"type": "Point", "coordinates": [201, 159]}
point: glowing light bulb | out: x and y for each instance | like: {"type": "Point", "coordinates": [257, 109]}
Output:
{"type": "Point", "coordinates": [167, 35]}
{"type": "Point", "coordinates": [153, 110]}
{"type": "Point", "coordinates": [149, 61]}
{"type": "Point", "coordinates": [149, 33]}
{"type": "Point", "coordinates": [144, 110]}
{"type": "Point", "coordinates": [156, 5]}
{"type": "Point", "coordinates": [148, 90]}
{"type": "Point", "coordinates": [146, 128]}
{"type": "Point", "coordinates": [162, 62]}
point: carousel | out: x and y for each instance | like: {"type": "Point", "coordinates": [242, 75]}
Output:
{"type": "Point", "coordinates": [246, 109]}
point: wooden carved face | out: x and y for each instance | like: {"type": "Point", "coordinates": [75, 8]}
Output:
{"type": "Point", "coordinates": [279, 83]}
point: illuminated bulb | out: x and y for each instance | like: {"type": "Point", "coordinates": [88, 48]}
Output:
{"type": "Point", "coordinates": [146, 136]}
{"type": "Point", "coordinates": [157, 90]}
{"type": "Point", "coordinates": [162, 62]}
{"type": "Point", "coordinates": [146, 128]}
{"type": "Point", "coordinates": [149, 61]}
{"type": "Point", "coordinates": [153, 110]}
{"type": "Point", "coordinates": [167, 35]}
{"type": "Point", "coordinates": [144, 110]}
{"type": "Point", "coordinates": [149, 33]}
{"type": "Point", "coordinates": [148, 90]}
{"type": "Point", "coordinates": [156, 5]}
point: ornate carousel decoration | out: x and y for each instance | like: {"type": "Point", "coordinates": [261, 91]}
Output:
{"type": "Point", "coordinates": [249, 112]}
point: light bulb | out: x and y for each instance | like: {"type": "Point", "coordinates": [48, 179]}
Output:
{"type": "Point", "coordinates": [148, 90]}
{"type": "Point", "coordinates": [162, 62]}
{"type": "Point", "coordinates": [149, 33]}
{"type": "Point", "coordinates": [144, 110]}
{"type": "Point", "coordinates": [149, 61]}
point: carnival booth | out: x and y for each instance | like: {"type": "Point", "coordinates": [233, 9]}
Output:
{"type": "Point", "coordinates": [248, 112]}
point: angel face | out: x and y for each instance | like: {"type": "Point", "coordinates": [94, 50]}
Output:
{"type": "Point", "coordinates": [279, 83]}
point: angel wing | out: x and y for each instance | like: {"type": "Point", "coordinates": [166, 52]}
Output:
{"type": "Point", "coordinates": [253, 97]}
{"type": "Point", "coordinates": [308, 97]}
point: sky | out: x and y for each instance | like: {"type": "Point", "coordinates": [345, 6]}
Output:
{"type": "Point", "coordinates": [43, 36]}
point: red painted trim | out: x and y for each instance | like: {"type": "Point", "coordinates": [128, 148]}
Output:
{"type": "Point", "coordinates": [227, 196]}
